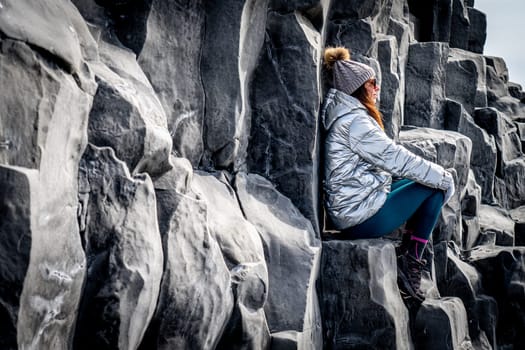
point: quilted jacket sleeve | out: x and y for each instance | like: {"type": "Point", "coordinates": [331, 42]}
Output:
{"type": "Point", "coordinates": [372, 144]}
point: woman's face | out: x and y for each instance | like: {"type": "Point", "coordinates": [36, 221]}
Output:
{"type": "Point", "coordinates": [372, 89]}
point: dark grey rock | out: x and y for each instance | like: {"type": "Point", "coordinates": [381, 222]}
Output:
{"type": "Point", "coordinates": [236, 86]}
{"type": "Point", "coordinates": [425, 84]}
{"type": "Point", "coordinates": [16, 186]}
{"type": "Point", "coordinates": [463, 281]}
{"type": "Point", "coordinates": [128, 19]}
{"type": "Point", "coordinates": [521, 130]}
{"type": "Point", "coordinates": [442, 324]}
{"type": "Point", "coordinates": [43, 120]}
{"type": "Point", "coordinates": [460, 25]}
{"type": "Point", "coordinates": [510, 166]}
{"type": "Point", "coordinates": [498, 92]}
{"type": "Point", "coordinates": [356, 35]}
{"type": "Point", "coordinates": [196, 300]}
{"type": "Point", "coordinates": [441, 20]}
{"type": "Point", "coordinates": [392, 93]}
{"type": "Point", "coordinates": [497, 77]}
{"type": "Point", "coordinates": [127, 115]}
{"type": "Point", "coordinates": [493, 219]}
{"type": "Point", "coordinates": [514, 189]}
{"type": "Point", "coordinates": [284, 6]}
{"type": "Point", "coordinates": [361, 304]}
{"type": "Point", "coordinates": [515, 90]}
{"type": "Point", "coordinates": [450, 150]}
{"type": "Point", "coordinates": [431, 23]}
{"type": "Point", "coordinates": [470, 205]}
{"type": "Point", "coordinates": [465, 82]}
{"type": "Point", "coordinates": [518, 215]}
{"type": "Point", "coordinates": [484, 153]}
{"type": "Point", "coordinates": [503, 129]}
{"type": "Point", "coordinates": [285, 119]}
{"type": "Point", "coordinates": [471, 200]}
{"type": "Point", "coordinates": [292, 254]}
{"type": "Point", "coordinates": [503, 270]}
{"type": "Point", "coordinates": [171, 58]}
{"type": "Point", "coordinates": [477, 30]}
{"type": "Point", "coordinates": [243, 253]}
{"type": "Point", "coordinates": [401, 31]}
{"type": "Point", "coordinates": [232, 44]}
{"type": "Point", "coordinates": [124, 253]}
{"type": "Point", "coordinates": [40, 24]}
{"type": "Point", "coordinates": [354, 9]}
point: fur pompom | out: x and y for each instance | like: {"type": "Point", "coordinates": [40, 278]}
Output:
{"type": "Point", "coordinates": [334, 54]}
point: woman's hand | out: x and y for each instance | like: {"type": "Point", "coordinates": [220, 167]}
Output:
{"type": "Point", "coordinates": [449, 181]}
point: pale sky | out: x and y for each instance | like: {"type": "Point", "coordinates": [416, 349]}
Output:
{"type": "Point", "coordinates": [505, 34]}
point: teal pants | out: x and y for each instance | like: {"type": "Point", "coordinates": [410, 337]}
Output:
{"type": "Point", "coordinates": [408, 201]}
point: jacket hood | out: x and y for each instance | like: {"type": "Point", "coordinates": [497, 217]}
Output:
{"type": "Point", "coordinates": [338, 104]}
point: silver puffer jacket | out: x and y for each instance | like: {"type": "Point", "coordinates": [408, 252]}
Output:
{"type": "Point", "coordinates": [360, 160]}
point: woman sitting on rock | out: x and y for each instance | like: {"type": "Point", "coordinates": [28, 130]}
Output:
{"type": "Point", "coordinates": [361, 198]}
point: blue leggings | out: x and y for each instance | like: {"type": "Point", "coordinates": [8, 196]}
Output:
{"type": "Point", "coordinates": [408, 201]}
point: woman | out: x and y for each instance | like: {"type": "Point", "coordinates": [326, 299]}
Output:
{"type": "Point", "coordinates": [360, 159]}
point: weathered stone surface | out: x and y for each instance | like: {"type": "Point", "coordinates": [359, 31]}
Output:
{"type": "Point", "coordinates": [503, 129]}
{"type": "Point", "coordinates": [27, 105]}
{"type": "Point", "coordinates": [470, 204]}
{"type": "Point", "coordinates": [44, 117]}
{"type": "Point", "coordinates": [495, 222]}
{"type": "Point", "coordinates": [40, 24]}
{"type": "Point", "coordinates": [521, 131]}
{"type": "Point", "coordinates": [16, 228]}
{"type": "Point", "coordinates": [518, 215]}
{"type": "Point", "coordinates": [498, 92]}
{"type": "Point", "coordinates": [450, 150]}
{"type": "Point", "coordinates": [442, 324]}
{"type": "Point", "coordinates": [355, 34]}
{"type": "Point", "coordinates": [484, 153]}
{"type": "Point", "coordinates": [460, 25]}
{"type": "Point", "coordinates": [124, 253]}
{"type": "Point", "coordinates": [196, 300]}
{"type": "Point", "coordinates": [127, 115]}
{"type": "Point", "coordinates": [392, 94]}
{"type": "Point", "coordinates": [243, 253]}
{"type": "Point", "coordinates": [516, 91]}
{"type": "Point", "coordinates": [497, 77]}
{"type": "Point", "coordinates": [232, 44]}
{"type": "Point", "coordinates": [285, 120]}
{"type": "Point", "coordinates": [465, 82]}
{"type": "Point", "coordinates": [462, 280]}
{"type": "Point", "coordinates": [354, 9]}
{"type": "Point", "coordinates": [171, 58]}
{"type": "Point", "coordinates": [431, 23]}
{"type": "Point", "coordinates": [236, 86]}
{"type": "Point", "coordinates": [477, 30]}
{"type": "Point", "coordinates": [291, 5]}
{"type": "Point", "coordinates": [361, 304]}
{"type": "Point", "coordinates": [401, 31]}
{"type": "Point", "coordinates": [292, 254]}
{"type": "Point", "coordinates": [510, 191]}
{"type": "Point", "coordinates": [128, 20]}
{"type": "Point", "coordinates": [425, 84]}
{"type": "Point", "coordinates": [503, 272]}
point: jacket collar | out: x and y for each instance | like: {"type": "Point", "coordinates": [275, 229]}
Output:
{"type": "Point", "coordinates": [338, 104]}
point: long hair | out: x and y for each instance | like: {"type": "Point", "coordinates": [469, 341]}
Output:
{"type": "Point", "coordinates": [365, 99]}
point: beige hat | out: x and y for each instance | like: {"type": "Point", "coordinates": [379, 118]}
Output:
{"type": "Point", "coordinates": [350, 75]}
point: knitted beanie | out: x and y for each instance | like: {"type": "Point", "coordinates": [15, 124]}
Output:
{"type": "Point", "coordinates": [350, 75]}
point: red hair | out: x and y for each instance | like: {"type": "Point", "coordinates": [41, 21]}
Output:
{"type": "Point", "coordinates": [367, 101]}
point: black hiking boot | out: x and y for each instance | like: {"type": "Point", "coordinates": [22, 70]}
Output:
{"type": "Point", "coordinates": [409, 277]}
